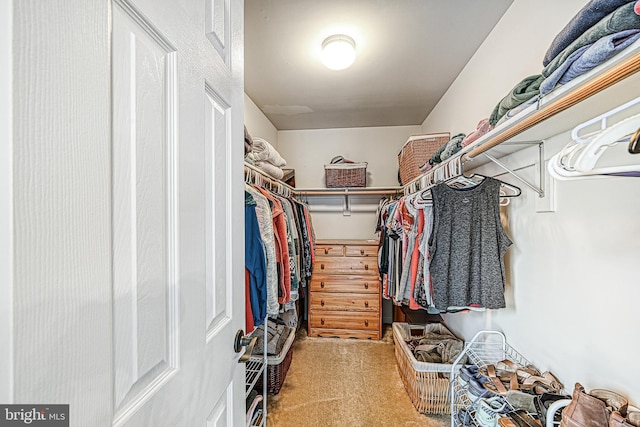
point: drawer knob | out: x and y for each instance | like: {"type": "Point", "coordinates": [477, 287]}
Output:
{"type": "Point", "coordinates": [366, 304]}
{"type": "Point", "coordinates": [366, 285]}
{"type": "Point", "coordinates": [322, 321]}
{"type": "Point", "coordinates": [366, 323]}
{"type": "Point", "coordinates": [361, 251]}
{"type": "Point", "coordinates": [321, 266]}
{"type": "Point", "coordinates": [326, 251]}
{"type": "Point", "coordinates": [322, 302]}
{"type": "Point", "coordinates": [366, 266]}
{"type": "Point", "coordinates": [322, 284]}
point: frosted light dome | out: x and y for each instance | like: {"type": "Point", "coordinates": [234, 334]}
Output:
{"type": "Point", "coordinates": [338, 52]}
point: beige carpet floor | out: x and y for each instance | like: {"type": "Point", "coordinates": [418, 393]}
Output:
{"type": "Point", "coordinates": [345, 383]}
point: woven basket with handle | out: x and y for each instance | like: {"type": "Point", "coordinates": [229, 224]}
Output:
{"type": "Point", "coordinates": [416, 151]}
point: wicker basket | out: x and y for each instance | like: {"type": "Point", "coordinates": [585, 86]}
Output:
{"type": "Point", "coordinates": [416, 151]}
{"type": "Point", "coordinates": [426, 383]}
{"type": "Point", "coordinates": [278, 366]}
{"type": "Point", "coordinates": [346, 175]}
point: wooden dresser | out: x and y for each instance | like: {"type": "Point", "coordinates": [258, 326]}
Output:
{"type": "Point", "coordinates": [345, 290]}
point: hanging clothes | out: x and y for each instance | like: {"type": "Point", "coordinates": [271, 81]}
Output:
{"type": "Point", "coordinates": [283, 226]}
{"type": "Point", "coordinates": [467, 246]}
{"type": "Point", "coordinates": [265, 224]}
{"type": "Point", "coordinates": [255, 262]}
{"type": "Point", "coordinates": [282, 247]}
{"type": "Point", "coordinates": [444, 254]}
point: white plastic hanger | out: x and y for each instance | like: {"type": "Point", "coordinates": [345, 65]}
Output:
{"type": "Point", "coordinates": [588, 157]}
{"type": "Point", "coordinates": [579, 158]}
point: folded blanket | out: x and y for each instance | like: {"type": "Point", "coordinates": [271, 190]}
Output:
{"type": "Point", "coordinates": [482, 128]}
{"type": "Point", "coordinates": [623, 18]}
{"type": "Point", "coordinates": [437, 156]}
{"type": "Point", "coordinates": [522, 92]}
{"type": "Point", "coordinates": [426, 166]}
{"type": "Point", "coordinates": [586, 18]}
{"type": "Point", "coordinates": [588, 57]}
{"type": "Point", "coordinates": [270, 169]}
{"type": "Point", "coordinates": [249, 159]}
{"type": "Point", "coordinates": [263, 151]}
{"type": "Point", "coordinates": [277, 335]}
{"type": "Point", "coordinates": [452, 147]}
{"type": "Point", "coordinates": [516, 110]}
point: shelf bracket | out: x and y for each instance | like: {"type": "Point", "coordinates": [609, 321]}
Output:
{"type": "Point", "coordinates": [346, 208]}
{"type": "Point", "coordinates": [541, 184]}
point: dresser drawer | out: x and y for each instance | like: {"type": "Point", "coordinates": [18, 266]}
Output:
{"type": "Point", "coordinates": [324, 301]}
{"type": "Point", "coordinates": [344, 333]}
{"type": "Point", "coordinates": [346, 265]}
{"type": "Point", "coordinates": [362, 251]}
{"type": "Point", "coordinates": [329, 250]}
{"type": "Point", "coordinates": [344, 320]}
{"type": "Point", "coordinates": [345, 283]}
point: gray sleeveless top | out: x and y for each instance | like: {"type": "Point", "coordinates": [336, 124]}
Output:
{"type": "Point", "coordinates": [466, 246]}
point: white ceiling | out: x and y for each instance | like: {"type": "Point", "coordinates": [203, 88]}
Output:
{"type": "Point", "coordinates": [408, 53]}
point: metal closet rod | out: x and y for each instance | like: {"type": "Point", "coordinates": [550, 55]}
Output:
{"type": "Point", "coordinates": [354, 191]}
{"type": "Point", "coordinates": [271, 179]}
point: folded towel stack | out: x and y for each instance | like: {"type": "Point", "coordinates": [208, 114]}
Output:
{"type": "Point", "coordinates": [267, 158]}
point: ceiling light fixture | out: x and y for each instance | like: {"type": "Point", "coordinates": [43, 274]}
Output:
{"type": "Point", "coordinates": [338, 51]}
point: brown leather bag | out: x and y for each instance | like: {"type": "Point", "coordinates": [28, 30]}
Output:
{"type": "Point", "coordinates": [585, 410]}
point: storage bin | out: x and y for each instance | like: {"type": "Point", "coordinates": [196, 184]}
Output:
{"type": "Point", "coordinates": [341, 175]}
{"type": "Point", "coordinates": [277, 366]}
{"type": "Point", "coordinates": [416, 151]}
{"type": "Point", "coordinates": [426, 383]}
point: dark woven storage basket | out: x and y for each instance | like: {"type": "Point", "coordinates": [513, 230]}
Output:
{"type": "Point", "coordinates": [416, 151]}
{"type": "Point", "coordinates": [346, 175]}
{"type": "Point", "coordinates": [276, 373]}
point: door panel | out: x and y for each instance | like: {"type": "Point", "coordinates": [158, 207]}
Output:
{"type": "Point", "coordinates": [174, 94]}
{"type": "Point", "coordinates": [217, 27]}
{"type": "Point", "coordinates": [146, 298]}
{"type": "Point", "coordinates": [220, 415]}
{"type": "Point", "coordinates": [217, 122]}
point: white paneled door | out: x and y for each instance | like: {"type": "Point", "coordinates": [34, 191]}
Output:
{"type": "Point", "coordinates": [127, 287]}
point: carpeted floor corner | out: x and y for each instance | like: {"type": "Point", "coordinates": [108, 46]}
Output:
{"type": "Point", "coordinates": [345, 383]}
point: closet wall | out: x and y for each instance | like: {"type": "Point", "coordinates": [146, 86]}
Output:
{"type": "Point", "coordinates": [573, 282]}
{"type": "Point", "coordinates": [573, 288]}
{"type": "Point", "coordinates": [309, 150]}
{"type": "Point", "coordinates": [257, 123]}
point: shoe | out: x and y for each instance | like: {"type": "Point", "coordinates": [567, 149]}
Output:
{"type": "Point", "coordinates": [613, 400]}
{"type": "Point", "coordinates": [488, 409]}
{"type": "Point", "coordinates": [499, 380]}
{"type": "Point", "coordinates": [523, 419]}
{"type": "Point", "coordinates": [471, 380]}
{"type": "Point", "coordinates": [542, 403]}
{"type": "Point", "coordinates": [545, 383]}
{"type": "Point", "coordinates": [464, 417]}
{"type": "Point", "coordinates": [523, 371]}
{"type": "Point", "coordinates": [521, 400]}
{"type": "Point", "coordinates": [468, 373]}
{"type": "Point", "coordinates": [506, 421]}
